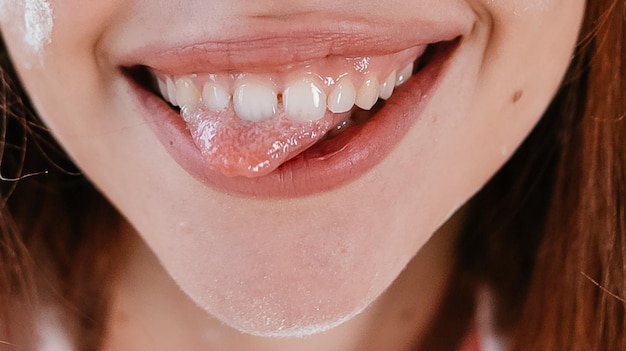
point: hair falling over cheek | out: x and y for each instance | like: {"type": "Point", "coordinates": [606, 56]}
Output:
{"type": "Point", "coordinates": [69, 255]}
{"type": "Point", "coordinates": [590, 245]}
{"type": "Point", "coordinates": [560, 228]}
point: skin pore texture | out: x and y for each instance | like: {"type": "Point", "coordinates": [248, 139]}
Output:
{"type": "Point", "coordinates": [521, 6]}
{"type": "Point", "coordinates": [298, 265]}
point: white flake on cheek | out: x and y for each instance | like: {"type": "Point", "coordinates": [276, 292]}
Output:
{"type": "Point", "coordinates": [38, 24]}
{"type": "Point", "coordinates": [32, 20]}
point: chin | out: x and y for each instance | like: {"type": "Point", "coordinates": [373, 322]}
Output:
{"type": "Point", "coordinates": [287, 278]}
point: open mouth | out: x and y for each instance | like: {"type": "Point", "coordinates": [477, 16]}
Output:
{"type": "Point", "coordinates": [251, 130]}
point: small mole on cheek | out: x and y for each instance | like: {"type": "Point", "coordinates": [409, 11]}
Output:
{"type": "Point", "coordinates": [517, 96]}
{"type": "Point", "coordinates": [185, 228]}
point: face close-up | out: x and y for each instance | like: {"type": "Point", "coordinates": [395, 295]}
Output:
{"type": "Point", "coordinates": [211, 127]}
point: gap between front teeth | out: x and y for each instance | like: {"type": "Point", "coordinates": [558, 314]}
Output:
{"type": "Point", "coordinates": [304, 99]}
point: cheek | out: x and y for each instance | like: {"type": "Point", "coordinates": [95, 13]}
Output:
{"type": "Point", "coordinates": [271, 273]}
{"type": "Point", "coordinates": [519, 7]}
{"type": "Point", "coordinates": [32, 22]}
{"type": "Point", "coordinates": [529, 49]}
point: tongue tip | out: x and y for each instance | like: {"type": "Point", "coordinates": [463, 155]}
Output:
{"type": "Point", "coordinates": [244, 168]}
{"type": "Point", "coordinates": [234, 147]}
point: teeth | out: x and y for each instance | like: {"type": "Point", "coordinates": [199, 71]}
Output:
{"type": "Point", "coordinates": [386, 89]}
{"type": "Point", "coordinates": [163, 89]}
{"type": "Point", "coordinates": [187, 96]}
{"type": "Point", "coordinates": [342, 97]}
{"type": "Point", "coordinates": [254, 101]}
{"type": "Point", "coordinates": [304, 101]}
{"type": "Point", "coordinates": [368, 93]}
{"type": "Point", "coordinates": [215, 97]}
{"type": "Point", "coordinates": [404, 74]}
{"type": "Point", "coordinates": [171, 91]}
{"type": "Point", "coordinates": [254, 97]}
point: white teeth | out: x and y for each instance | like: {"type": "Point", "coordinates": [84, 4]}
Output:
{"type": "Point", "coordinates": [215, 97]}
{"type": "Point", "coordinates": [367, 94]}
{"type": "Point", "coordinates": [187, 96]}
{"type": "Point", "coordinates": [404, 74]}
{"type": "Point", "coordinates": [342, 97]}
{"type": "Point", "coordinates": [254, 97]}
{"type": "Point", "coordinates": [386, 89]}
{"type": "Point", "coordinates": [254, 101]}
{"type": "Point", "coordinates": [163, 89]}
{"type": "Point", "coordinates": [304, 101]}
{"type": "Point", "coordinates": [171, 91]}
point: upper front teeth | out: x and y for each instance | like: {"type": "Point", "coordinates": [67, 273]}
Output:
{"type": "Point", "coordinates": [306, 97]}
{"type": "Point", "coordinates": [254, 100]}
{"type": "Point", "coordinates": [215, 97]}
{"type": "Point", "coordinates": [304, 100]}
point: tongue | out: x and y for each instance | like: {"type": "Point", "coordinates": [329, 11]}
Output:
{"type": "Point", "coordinates": [236, 147]}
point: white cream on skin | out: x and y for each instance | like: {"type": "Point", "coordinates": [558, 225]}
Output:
{"type": "Point", "coordinates": [37, 25]}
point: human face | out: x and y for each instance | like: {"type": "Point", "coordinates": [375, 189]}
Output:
{"type": "Point", "coordinates": [300, 248]}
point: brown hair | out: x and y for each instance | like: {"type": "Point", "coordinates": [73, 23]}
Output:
{"type": "Point", "coordinates": [57, 233]}
{"type": "Point", "coordinates": [554, 246]}
{"type": "Point", "coordinates": [547, 232]}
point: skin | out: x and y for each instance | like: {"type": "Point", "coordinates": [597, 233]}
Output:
{"type": "Point", "coordinates": [234, 257]}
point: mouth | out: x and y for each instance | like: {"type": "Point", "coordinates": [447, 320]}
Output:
{"type": "Point", "coordinates": [296, 131]}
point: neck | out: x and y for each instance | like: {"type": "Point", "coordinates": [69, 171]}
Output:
{"type": "Point", "coordinates": [149, 311]}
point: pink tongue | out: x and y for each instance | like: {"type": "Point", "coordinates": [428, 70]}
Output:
{"type": "Point", "coordinates": [236, 147]}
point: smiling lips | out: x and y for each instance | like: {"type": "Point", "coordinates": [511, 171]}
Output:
{"type": "Point", "coordinates": [284, 116]}
{"type": "Point", "coordinates": [248, 124]}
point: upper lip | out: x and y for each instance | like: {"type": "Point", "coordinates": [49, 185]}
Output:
{"type": "Point", "coordinates": [275, 45]}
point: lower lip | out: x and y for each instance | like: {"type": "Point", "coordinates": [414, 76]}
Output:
{"type": "Point", "coordinates": [326, 166]}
